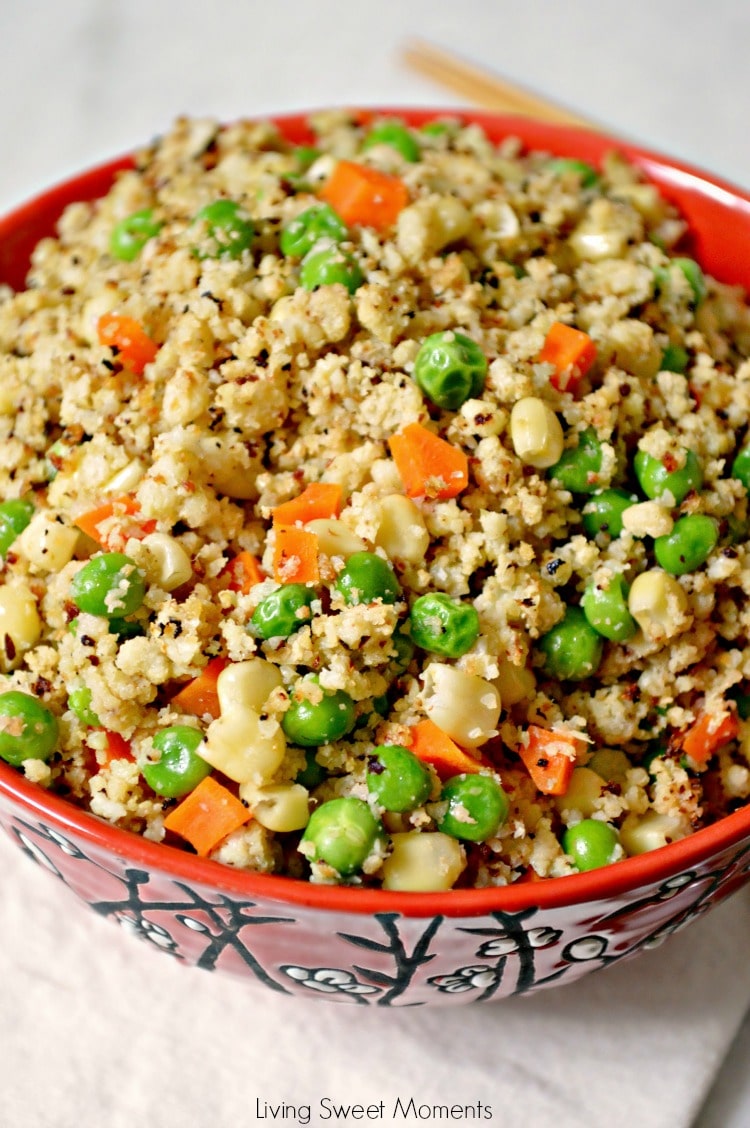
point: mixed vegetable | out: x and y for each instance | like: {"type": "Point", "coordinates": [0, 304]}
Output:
{"type": "Point", "coordinates": [508, 642]}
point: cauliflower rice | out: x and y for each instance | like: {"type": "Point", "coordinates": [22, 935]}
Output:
{"type": "Point", "coordinates": [184, 388]}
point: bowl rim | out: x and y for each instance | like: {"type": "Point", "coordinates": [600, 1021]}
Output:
{"type": "Point", "coordinates": [707, 195]}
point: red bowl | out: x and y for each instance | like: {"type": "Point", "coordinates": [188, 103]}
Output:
{"type": "Point", "coordinates": [375, 946]}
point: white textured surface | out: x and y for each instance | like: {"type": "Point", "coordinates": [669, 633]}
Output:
{"type": "Point", "coordinates": [96, 1029]}
{"type": "Point", "coordinates": [100, 1030]}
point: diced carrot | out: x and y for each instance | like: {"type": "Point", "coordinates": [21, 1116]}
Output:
{"type": "Point", "coordinates": [705, 737]}
{"type": "Point", "coordinates": [364, 196]}
{"type": "Point", "coordinates": [529, 877]}
{"type": "Point", "coordinates": [118, 748]}
{"type": "Point", "coordinates": [429, 466]}
{"type": "Point", "coordinates": [433, 746]}
{"type": "Point", "coordinates": [242, 572]}
{"type": "Point", "coordinates": [319, 499]}
{"type": "Point", "coordinates": [364, 117]}
{"type": "Point", "coordinates": [209, 813]}
{"type": "Point", "coordinates": [571, 351]}
{"type": "Point", "coordinates": [122, 506]}
{"type": "Point", "coordinates": [295, 557]}
{"type": "Point", "coordinates": [550, 758]}
{"type": "Point", "coordinates": [134, 346]}
{"type": "Point", "coordinates": [200, 696]}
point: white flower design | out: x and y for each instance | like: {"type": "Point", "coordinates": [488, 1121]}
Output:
{"type": "Point", "coordinates": [147, 930]}
{"type": "Point", "coordinates": [465, 979]}
{"type": "Point", "coordinates": [328, 980]}
{"type": "Point", "coordinates": [586, 948]}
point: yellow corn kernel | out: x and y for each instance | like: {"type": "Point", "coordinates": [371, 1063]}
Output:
{"type": "Point", "coordinates": [105, 301]}
{"type": "Point", "coordinates": [584, 789]}
{"type": "Point", "coordinates": [658, 604]}
{"type": "Point", "coordinates": [430, 224]}
{"type": "Point", "coordinates": [514, 683]}
{"type": "Point", "coordinates": [125, 480]}
{"type": "Point", "coordinates": [281, 807]}
{"type": "Point", "coordinates": [401, 529]}
{"type": "Point", "coordinates": [464, 706]}
{"type": "Point", "coordinates": [47, 543]}
{"type": "Point", "coordinates": [244, 746]}
{"type": "Point", "coordinates": [423, 862]}
{"type": "Point", "coordinates": [247, 685]}
{"type": "Point", "coordinates": [602, 233]}
{"type": "Point", "coordinates": [611, 764]}
{"type": "Point", "coordinates": [335, 538]}
{"type": "Point", "coordinates": [20, 625]}
{"type": "Point", "coordinates": [639, 834]}
{"type": "Point", "coordinates": [166, 562]}
{"type": "Point", "coordinates": [229, 467]}
{"type": "Point", "coordinates": [536, 433]}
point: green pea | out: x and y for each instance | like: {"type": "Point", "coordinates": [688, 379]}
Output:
{"type": "Point", "coordinates": [741, 697]}
{"type": "Point", "coordinates": [15, 515]}
{"type": "Point", "coordinates": [654, 477]}
{"type": "Point", "coordinates": [737, 529]}
{"type": "Point", "coordinates": [123, 628]}
{"type": "Point", "coordinates": [304, 157]}
{"type": "Point", "coordinates": [381, 705]}
{"type": "Point", "coordinates": [342, 833]}
{"type": "Point", "coordinates": [450, 368]}
{"type": "Point", "coordinates": [126, 628]}
{"type": "Point", "coordinates": [79, 702]}
{"type": "Point", "coordinates": [282, 612]}
{"type": "Point", "coordinates": [310, 723]}
{"type": "Point", "coordinates": [443, 625]}
{"type": "Point", "coordinates": [367, 577]}
{"type": "Point", "coordinates": [674, 359]}
{"type": "Point", "coordinates": [476, 807]}
{"type": "Point", "coordinates": [591, 844]}
{"type": "Point", "coordinates": [130, 235]}
{"type": "Point", "coordinates": [577, 468]}
{"type": "Point", "coordinates": [313, 773]}
{"type": "Point", "coordinates": [694, 276]}
{"type": "Point", "coordinates": [179, 768]}
{"type": "Point", "coordinates": [688, 546]}
{"type": "Point", "coordinates": [110, 584]}
{"type": "Point", "coordinates": [397, 779]}
{"type": "Point", "coordinates": [654, 752]}
{"type": "Point", "coordinates": [302, 233]}
{"type": "Point", "coordinates": [396, 135]}
{"type": "Point", "coordinates": [691, 272]}
{"type": "Point", "coordinates": [229, 232]}
{"type": "Point", "coordinates": [606, 609]}
{"type": "Point", "coordinates": [566, 166]}
{"type": "Point", "coordinates": [572, 649]}
{"type": "Point", "coordinates": [603, 513]}
{"type": "Point", "coordinates": [56, 455]}
{"type": "Point", "coordinates": [329, 265]}
{"type": "Point", "coordinates": [740, 469]}
{"type": "Point", "coordinates": [28, 730]}
{"type": "Point", "coordinates": [403, 648]}
{"type": "Point", "coordinates": [437, 128]}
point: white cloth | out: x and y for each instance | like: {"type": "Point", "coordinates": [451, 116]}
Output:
{"type": "Point", "coordinates": [99, 1031]}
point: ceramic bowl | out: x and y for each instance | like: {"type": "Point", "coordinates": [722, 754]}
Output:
{"type": "Point", "coordinates": [371, 946]}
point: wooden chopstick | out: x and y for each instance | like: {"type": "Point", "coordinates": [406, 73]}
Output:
{"type": "Point", "coordinates": [484, 88]}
